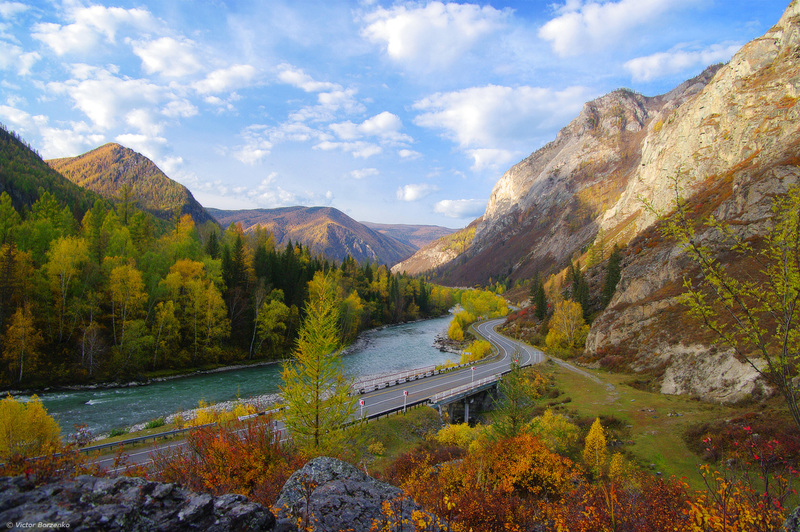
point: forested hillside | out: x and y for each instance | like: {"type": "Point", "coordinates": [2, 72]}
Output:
{"type": "Point", "coordinates": [119, 173]}
{"type": "Point", "coordinates": [24, 175]}
{"type": "Point", "coordinates": [111, 295]}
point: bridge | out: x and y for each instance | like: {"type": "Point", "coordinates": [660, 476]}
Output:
{"type": "Point", "coordinates": [392, 393]}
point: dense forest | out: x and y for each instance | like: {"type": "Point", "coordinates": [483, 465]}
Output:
{"type": "Point", "coordinates": [106, 292]}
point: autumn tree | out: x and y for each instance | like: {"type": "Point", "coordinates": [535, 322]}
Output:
{"type": "Point", "coordinates": [595, 454]}
{"type": "Point", "coordinates": [517, 393]}
{"type": "Point", "coordinates": [22, 342]}
{"type": "Point", "coordinates": [754, 313]}
{"type": "Point", "coordinates": [567, 326]}
{"type": "Point", "coordinates": [26, 429]}
{"type": "Point", "coordinates": [66, 257]}
{"type": "Point", "coordinates": [126, 291]}
{"type": "Point", "coordinates": [272, 321]}
{"type": "Point", "coordinates": [314, 389]}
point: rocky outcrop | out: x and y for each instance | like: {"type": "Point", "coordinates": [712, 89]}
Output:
{"type": "Point", "coordinates": [332, 495]}
{"type": "Point", "coordinates": [326, 493]}
{"type": "Point", "coordinates": [132, 504]}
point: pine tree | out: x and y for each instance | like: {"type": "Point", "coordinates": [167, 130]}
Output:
{"type": "Point", "coordinates": [314, 390]}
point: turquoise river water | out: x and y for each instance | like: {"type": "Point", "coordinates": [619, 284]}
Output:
{"type": "Point", "coordinates": [390, 349]}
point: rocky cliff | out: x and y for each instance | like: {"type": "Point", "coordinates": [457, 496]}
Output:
{"type": "Point", "coordinates": [734, 147]}
{"type": "Point", "coordinates": [549, 205]}
{"type": "Point", "coordinates": [730, 137]}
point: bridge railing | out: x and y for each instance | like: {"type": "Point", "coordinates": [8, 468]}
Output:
{"type": "Point", "coordinates": [465, 388]}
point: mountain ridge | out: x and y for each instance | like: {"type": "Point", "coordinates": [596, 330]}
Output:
{"type": "Point", "coordinates": [325, 230]}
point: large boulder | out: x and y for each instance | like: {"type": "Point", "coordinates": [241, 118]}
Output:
{"type": "Point", "coordinates": [332, 495]}
{"type": "Point", "coordinates": [124, 503]}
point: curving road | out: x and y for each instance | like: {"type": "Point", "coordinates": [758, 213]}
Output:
{"type": "Point", "coordinates": [393, 398]}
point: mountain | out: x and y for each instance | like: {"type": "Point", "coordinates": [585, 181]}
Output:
{"type": "Point", "coordinates": [324, 230]}
{"type": "Point", "coordinates": [732, 138]}
{"type": "Point", "coordinates": [416, 236]}
{"type": "Point", "coordinates": [547, 206]}
{"type": "Point", "coordinates": [109, 168]}
{"type": "Point", "coordinates": [23, 174]}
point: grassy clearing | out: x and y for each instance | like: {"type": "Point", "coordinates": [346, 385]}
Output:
{"type": "Point", "coordinates": [655, 423]}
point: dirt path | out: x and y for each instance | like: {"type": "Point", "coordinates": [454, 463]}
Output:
{"type": "Point", "coordinates": [612, 395]}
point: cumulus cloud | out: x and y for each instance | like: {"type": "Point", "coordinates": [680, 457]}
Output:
{"type": "Point", "coordinates": [463, 208]}
{"type": "Point", "coordinates": [12, 57]}
{"type": "Point", "coordinates": [409, 154]}
{"type": "Point", "coordinates": [582, 27]}
{"type": "Point", "coordinates": [364, 173]}
{"type": "Point", "coordinates": [297, 78]}
{"type": "Point", "coordinates": [495, 116]}
{"type": "Point", "coordinates": [91, 26]}
{"type": "Point", "coordinates": [105, 97]}
{"type": "Point", "coordinates": [415, 192]}
{"type": "Point", "coordinates": [678, 60]}
{"type": "Point", "coordinates": [385, 126]}
{"type": "Point", "coordinates": [433, 35]}
{"type": "Point", "coordinates": [179, 109]}
{"type": "Point", "coordinates": [168, 57]}
{"type": "Point", "coordinates": [226, 79]}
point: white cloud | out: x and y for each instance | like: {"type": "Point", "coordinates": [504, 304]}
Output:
{"type": "Point", "coordinates": [490, 158]}
{"type": "Point", "coordinates": [678, 60]}
{"type": "Point", "coordinates": [385, 126]}
{"type": "Point", "coordinates": [415, 192]}
{"type": "Point", "coordinates": [364, 173]}
{"type": "Point", "coordinates": [12, 57]}
{"type": "Point", "coordinates": [104, 97]}
{"type": "Point", "coordinates": [297, 78]}
{"type": "Point", "coordinates": [409, 154]}
{"type": "Point", "coordinates": [495, 116]}
{"type": "Point", "coordinates": [91, 27]}
{"type": "Point", "coordinates": [179, 109]}
{"type": "Point", "coordinates": [585, 27]}
{"type": "Point", "coordinates": [9, 10]}
{"type": "Point", "coordinates": [226, 79]}
{"type": "Point", "coordinates": [168, 57]}
{"type": "Point", "coordinates": [434, 35]}
{"type": "Point", "coordinates": [358, 149]}
{"type": "Point", "coordinates": [148, 145]}
{"type": "Point", "coordinates": [463, 208]}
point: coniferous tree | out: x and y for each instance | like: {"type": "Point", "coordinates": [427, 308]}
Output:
{"type": "Point", "coordinates": [613, 274]}
{"type": "Point", "coordinates": [314, 390]}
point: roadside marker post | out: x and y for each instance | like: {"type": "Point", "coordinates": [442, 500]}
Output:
{"type": "Point", "coordinates": [405, 398]}
{"type": "Point", "coordinates": [473, 373]}
{"type": "Point", "coordinates": [361, 402]}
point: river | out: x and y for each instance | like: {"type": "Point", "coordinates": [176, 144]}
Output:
{"type": "Point", "coordinates": [387, 350]}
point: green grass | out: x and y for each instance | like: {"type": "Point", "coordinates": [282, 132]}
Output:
{"type": "Point", "coordinates": [656, 422]}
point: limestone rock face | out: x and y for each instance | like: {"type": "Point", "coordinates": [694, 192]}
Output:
{"type": "Point", "coordinates": [332, 495]}
{"type": "Point", "coordinates": [133, 504]}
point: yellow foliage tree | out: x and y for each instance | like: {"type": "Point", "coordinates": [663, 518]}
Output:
{"type": "Point", "coordinates": [455, 332]}
{"type": "Point", "coordinates": [567, 326]}
{"type": "Point", "coordinates": [595, 454]}
{"type": "Point", "coordinates": [476, 351]}
{"type": "Point", "coordinates": [21, 342]}
{"type": "Point", "coordinates": [555, 431]}
{"type": "Point", "coordinates": [26, 429]}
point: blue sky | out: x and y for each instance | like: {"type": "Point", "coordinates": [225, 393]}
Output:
{"type": "Point", "coordinates": [393, 112]}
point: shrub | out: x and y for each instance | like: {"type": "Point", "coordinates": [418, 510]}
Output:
{"type": "Point", "coordinates": [26, 429]}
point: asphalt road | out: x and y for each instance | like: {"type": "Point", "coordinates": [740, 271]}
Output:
{"type": "Point", "coordinates": [391, 398]}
